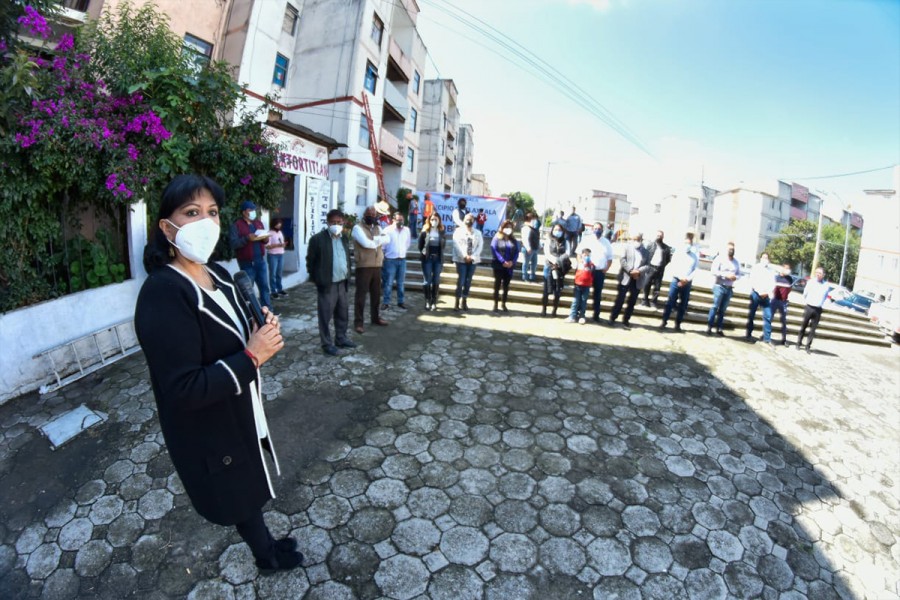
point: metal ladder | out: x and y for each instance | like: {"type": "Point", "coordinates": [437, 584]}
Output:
{"type": "Point", "coordinates": [373, 146]}
{"type": "Point", "coordinates": [85, 368]}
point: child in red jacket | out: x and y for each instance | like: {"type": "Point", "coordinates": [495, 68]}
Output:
{"type": "Point", "coordinates": [584, 279]}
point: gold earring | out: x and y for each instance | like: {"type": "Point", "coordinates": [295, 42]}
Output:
{"type": "Point", "coordinates": [171, 252]}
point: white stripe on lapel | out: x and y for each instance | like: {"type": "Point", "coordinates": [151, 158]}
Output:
{"type": "Point", "coordinates": [201, 305]}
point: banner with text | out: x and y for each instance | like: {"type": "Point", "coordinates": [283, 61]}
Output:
{"type": "Point", "coordinates": [494, 209]}
{"type": "Point", "coordinates": [318, 203]}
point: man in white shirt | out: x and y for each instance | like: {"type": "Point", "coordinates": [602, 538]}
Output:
{"type": "Point", "coordinates": [394, 267]}
{"type": "Point", "coordinates": [726, 271]}
{"type": "Point", "coordinates": [368, 240]}
{"type": "Point", "coordinates": [602, 257]}
{"type": "Point", "coordinates": [762, 281]}
{"type": "Point", "coordinates": [681, 270]}
{"type": "Point", "coordinates": [814, 295]}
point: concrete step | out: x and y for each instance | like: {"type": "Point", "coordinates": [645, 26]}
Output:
{"type": "Point", "coordinates": [833, 325]}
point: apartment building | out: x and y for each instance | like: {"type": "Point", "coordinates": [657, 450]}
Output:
{"type": "Point", "coordinates": [478, 185]}
{"type": "Point", "coordinates": [750, 218]}
{"type": "Point", "coordinates": [465, 147]}
{"type": "Point", "coordinates": [878, 269]}
{"type": "Point", "coordinates": [439, 136]}
{"type": "Point", "coordinates": [690, 209]}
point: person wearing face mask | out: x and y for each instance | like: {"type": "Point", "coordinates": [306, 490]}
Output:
{"type": "Point", "coordinates": [505, 250]}
{"type": "Point", "coordinates": [783, 283]}
{"type": "Point", "coordinates": [204, 355]}
{"type": "Point", "coordinates": [328, 265]}
{"type": "Point", "coordinates": [460, 212]}
{"type": "Point", "coordinates": [413, 214]}
{"type": "Point", "coordinates": [467, 245]}
{"type": "Point", "coordinates": [369, 243]}
{"type": "Point", "coordinates": [556, 265]}
{"type": "Point", "coordinates": [602, 257]}
{"type": "Point", "coordinates": [531, 242]}
{"type": "Point", "coordinates": [726, 270]}
{"type": "Point", "coordinates": [431, 247]}
{"type": "Point", "coordinates": [682, 269]}
{"type": "Point", "coordinates": [762, 281]}
{"type": "Point", "coordinates": [660, 256]}
{"type": "Point", "coordinates": [250, 249]}
{"type": "Point", "coordinates": [275, 256]}
{"type": "Point", "coordinates": [394, 267]}
{"type": "Point", "coordinates": [632, 266]}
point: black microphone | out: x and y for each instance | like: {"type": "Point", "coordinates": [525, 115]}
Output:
{"type": "Point", "coordinates": [245, 291]}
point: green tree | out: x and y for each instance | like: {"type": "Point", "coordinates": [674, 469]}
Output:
{"type": "Point", "coordinates": [521, 200]}
{"type": "Point", "coordinates": [831, 253]}
{"type": "Point", "coordinates": [795, 245]}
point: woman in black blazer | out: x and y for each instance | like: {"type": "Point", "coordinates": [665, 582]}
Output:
{"type": "Point", "coordinates": [431, 247]}
{"type": "Point", "coordinates": [204, 355]}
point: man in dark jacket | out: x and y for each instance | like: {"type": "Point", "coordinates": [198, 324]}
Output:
{"type": "Point", "coordinates": [250, 249]}
{"type": "Point", "coordinates": [660, 256]}
{"type": "Point", "coordinates": [328, 265]}
{"type": "Point", "coordinates": [633, 265]}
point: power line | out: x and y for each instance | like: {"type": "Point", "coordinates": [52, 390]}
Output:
{"type": "Point", "coordinates": [844, 174]}
{"type": "Point", "coordinates": [541, 69]}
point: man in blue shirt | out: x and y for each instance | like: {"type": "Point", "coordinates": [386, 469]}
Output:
{"type": "Point", "coordinates": [682, 269]}
{"type": "Point", "coordinates": [814, 295]}
{"type": "Point", "coordinates": [573, 231]}
{"type": "Point", "coordinates": [726, 271]}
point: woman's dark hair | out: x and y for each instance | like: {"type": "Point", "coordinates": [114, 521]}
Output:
{"type": "Point", "coordinates": [511, 225]}
{"type": "Point", "coordinates": [276, 221]}
{"type": "Point", "coordinates": [179, 192]}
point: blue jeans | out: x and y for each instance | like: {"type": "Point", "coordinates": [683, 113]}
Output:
{"type": "Point", "coordinates": [431, 270]}
{"type": "Point", "coordinates": [529, 265]}
{"type": "Point", "coordinates": [755, 302]}
{"type": "Point", "coordinates": [464, 272]}
{"type": "Point", "coordinates": [258, 272]}
{"type": "Point", "coordinates": [413, 223]}
{"type": "Point", "coordinates": [276, 263]}
{"type": "Point", "coordinates": [393, 269]}
{"type": "Point", "coordinates": [682, 296]}
{"type": "Point", "coordinates": [721, 297]}
{"type": "Point", "coordinates": [780, 307]}
{"type": "Point", "coordinates": [579, 303]}
{"type": "Point", "coordinates": [599, 278]}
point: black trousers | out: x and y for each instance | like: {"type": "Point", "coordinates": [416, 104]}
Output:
{"type": "Point", "coordinates": [631, 289]}
{"type": "Point", "coordinates": [255, 533]}
{"type": "Point", "coordinates": [811, 316]}
{"type": "Point", "coordinates": [653, 285]}
{"type": "Point", "coordinates": [368, 281]}
{"type": "Point", "coordinates": [502, 277]}
{"type": "Point", "coordinates": [331, 303]}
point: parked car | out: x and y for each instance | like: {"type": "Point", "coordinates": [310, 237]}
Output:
{"type": "Point", "coordinates": [856, 302]}
{"type": "Point", "coordinates": [838, 292]}
{"type": "Point", "coordinates": [887, 316]}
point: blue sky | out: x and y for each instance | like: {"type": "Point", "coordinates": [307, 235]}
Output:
{"type": "Point", "coordinates": [738, 90]}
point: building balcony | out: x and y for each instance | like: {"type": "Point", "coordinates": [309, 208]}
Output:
{"type": "Point", "coordinates": [798, 214]}
{"type": "Point", "coordinates": [399, 67]}
{"type": "Point", "coordinates": [391, 147]}
{"type": "Point", "coordinates": [396, 106]}
{"type": "Point", "coordinates": [449, 155]}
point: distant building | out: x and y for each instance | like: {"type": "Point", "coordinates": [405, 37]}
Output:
{"type": "Point", "coordinates": [438, 143]}
{"type": "Point", "coordinates": [479, 185]}
{"type": "Point", "coordinates": [878, 270]}
{"type": "Point", "coordinates": [465, 148]}
{"type": "Point", "coordinates": [606, 208]}
{"type": "Point", "coordinates": [688, 210]}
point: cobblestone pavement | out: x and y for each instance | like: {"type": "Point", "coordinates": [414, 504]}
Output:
{"type": "Point", "coordinates": [474, 456]}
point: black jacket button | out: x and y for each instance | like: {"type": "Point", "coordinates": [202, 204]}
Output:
{"type": "Point", "coordinates": [226, 461]}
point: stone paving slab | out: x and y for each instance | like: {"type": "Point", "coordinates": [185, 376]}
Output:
{"type": "Point", "coordinates": [474, 456]}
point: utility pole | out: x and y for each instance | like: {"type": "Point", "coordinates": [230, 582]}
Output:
{"type": "Point", "coordinates": [815, 262]}
{"type": "Point", "coordinates": [846, 244]}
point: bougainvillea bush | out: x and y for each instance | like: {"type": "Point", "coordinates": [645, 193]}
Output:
{"type": "Point", "coordinates": [95, 122]}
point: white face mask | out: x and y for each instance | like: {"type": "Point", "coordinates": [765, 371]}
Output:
{"type": "Point", "coordinates": [507, 231]}
{"type": "Point", "coordinates": [196, 240]}
{"type": "Point", "coordinates": [252, 215]}
{"type": "Point", "coordinates": [335, 229]}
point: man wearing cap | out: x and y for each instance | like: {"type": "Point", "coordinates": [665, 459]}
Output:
{"type": "Point", "coordinates": [250, 249]}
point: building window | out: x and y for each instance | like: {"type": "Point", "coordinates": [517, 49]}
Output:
{"type": "Point", "coordinates": [279, 77]}
{"type": "Point", "coordinates": [410, 160]}
{"type": "Point", "coordinates": [198, 51]}
{"type": "Point", "coordinates": [443, 147]}
{"type": "Point", "coordinates": [413, 119]}
{"type": "Point", "coordinates": [377, 30]}
{"type": "Point", "coordinates": [702, 236]}
{"type": "Point", "coordinates": [440, 175]}
{"type": "Point", "coordinates": [705, 204]}
{"type": "Point", "coordinates": [363, 132]}
{"type": "Point", "coordinates": [371, 77]}
{"type": "Point", "coordinates": [444, 120]}
{"type": "Point", "coordinates": [703, 221]}
{"type": "Point", "coordinates": [291, 19]}
{"type": "Point", "coordinates": [362, 189]}
{"type": "Point", "coordinates": [417, 81]}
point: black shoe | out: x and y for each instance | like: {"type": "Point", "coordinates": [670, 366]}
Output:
{"type": "Point", "coordinates": [596, 319]}
{"type": "Point", "coordinates": [465, 305]}
{"type": "Point", "coordinates": [709, 331]}
{"type": "Point", "coordinates": [282, 560]}
{"type": "Point", "coordinates": [626, 325]}
{"type": "Point", "coordinates": [808, 350]}
{"type": "Point", "coordinates": [385, 306]}
{"type": "Point", "coordinates": [720, 332]}
{"type": "Point", "coordinates": [346, 344]}
{"type": "Point", "coordinates": [663, 325]}
{"type": "Point", "coordinates": [331, 350]}
{"type": "Point", "coordinates": [678, 327]}
{"type": "Point", "coordinates": [401, 305]}
{"type": "Point", "coordinates": [286, 545]}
